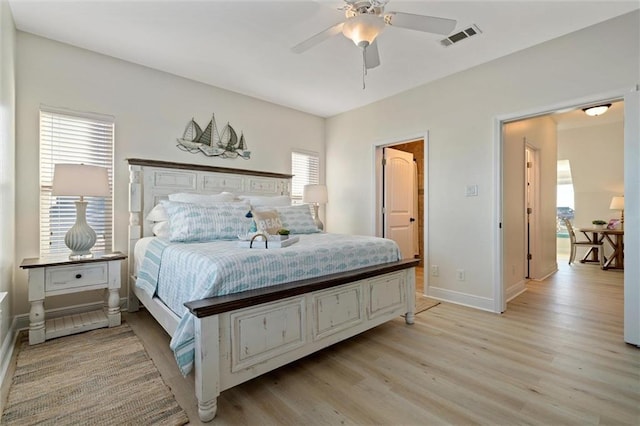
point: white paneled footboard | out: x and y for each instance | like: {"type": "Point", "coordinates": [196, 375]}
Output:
{"type": "Point", "coordinates": [238, 345]}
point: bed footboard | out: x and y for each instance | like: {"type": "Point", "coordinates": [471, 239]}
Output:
{"type": "Point", "coordinates": [237, 345]}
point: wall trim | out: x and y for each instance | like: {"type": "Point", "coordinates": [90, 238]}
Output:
{"type": "Point", "coordinates": [464, 299]}
{"type": "Point", "coordinates": [516, 290]}
{"type": "Point", "coordinates": [548, 273]}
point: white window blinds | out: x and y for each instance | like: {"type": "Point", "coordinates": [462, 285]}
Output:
{"type": "Point", "coordinates": [305, 168]}
{"type": "Point", "coordinates": [78, 138]}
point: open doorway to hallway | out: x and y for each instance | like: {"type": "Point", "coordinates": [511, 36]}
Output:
{"type": "Point", "coordinates": [581, 169]}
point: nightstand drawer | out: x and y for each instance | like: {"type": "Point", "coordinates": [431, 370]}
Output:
{"type": "Point", "coordinates": [67, 277]}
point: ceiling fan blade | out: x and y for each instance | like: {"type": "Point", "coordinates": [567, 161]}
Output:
{"type": "Point", "coordinates": [429, 24]}
{"type": "Point", "coordinates": [318, 38]}
{"type": "Point", "coordinates": [371, 56]}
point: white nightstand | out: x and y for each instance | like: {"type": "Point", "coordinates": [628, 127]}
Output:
{"type": "Point", "coordinates": [55, 276]}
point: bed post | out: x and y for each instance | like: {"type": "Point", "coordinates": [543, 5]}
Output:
{"type": "Point", "coordinates": [207, 366]}
{"type": "Point", "coordinates": [411, 296]}
{"type": "Point", "coordinates": [135, 230]}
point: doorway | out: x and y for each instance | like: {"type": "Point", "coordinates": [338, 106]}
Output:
{"type": "Point", "coordinates": [412, 149]}
{"type": "Point", "coordinates": [632, 203]}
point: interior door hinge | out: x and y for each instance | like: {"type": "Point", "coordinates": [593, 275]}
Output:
{"type": "Point", "coordinates": [529, 257]}
{"type": "Point", "coordinates": [529, 165]}
{"type": "Point", "coordinates": [384, 210]}
{"type": "Point", "coordinates": [384, 162]}
{"type": "Point", "coordinates": [529, 210]}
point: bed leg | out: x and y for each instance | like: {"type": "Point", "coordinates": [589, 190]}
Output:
{"type": "Point", "coordinates": [411, 296]}
{"type": "Point", "coordinates": [207, 366]}
{"type": "Point", "coordinates": [207, 410]}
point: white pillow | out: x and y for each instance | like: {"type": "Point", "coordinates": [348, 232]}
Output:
{"type": "Point", "coordinates": [157, 214]}
{"type": "Point", "coordinates": [266, 201]}
{"type": "Point", "coordinates": [201, 199]}
{"type": "Point", "coordinates": [161, 229]}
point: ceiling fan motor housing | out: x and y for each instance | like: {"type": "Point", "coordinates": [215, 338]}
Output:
{"type": "Point", "coordinates": [364, 7]}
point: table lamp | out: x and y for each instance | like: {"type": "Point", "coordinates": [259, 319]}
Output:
{"type": "Point", "coordinates": [80, 180]}
{"type": "Point", "coordinates": [316, 195]}
{"type": "Point", "coordinates": [617, 203]}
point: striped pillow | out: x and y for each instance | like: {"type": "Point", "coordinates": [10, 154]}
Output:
{"type": "Point", "coordinates": [195, 223]}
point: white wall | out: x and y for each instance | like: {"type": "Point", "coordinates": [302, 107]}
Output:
{"type": "Point", "coordinates": [151, 109]}
{"type": "Point", "coordinates": [459, 112]}
{"type": "Point", "coordinates": [7, 163]}
{"type": "Point", "coordinates": [596, 156]}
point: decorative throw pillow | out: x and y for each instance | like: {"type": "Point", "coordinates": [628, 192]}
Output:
{"type": "Point", "coordinates": [194, 223]}
{"type": "Point", "coordinates": [267, 221]}
{"type": "Point", "coordinates": [297, 219]}
{"type": "Point", "coordinates": [201, 199]}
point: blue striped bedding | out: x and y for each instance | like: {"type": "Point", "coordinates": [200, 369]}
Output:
{"type": "Point", "coordinates": [178, 272]}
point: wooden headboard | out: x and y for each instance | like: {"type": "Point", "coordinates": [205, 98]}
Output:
{"type": "Point", "coordinates": [150, 181]}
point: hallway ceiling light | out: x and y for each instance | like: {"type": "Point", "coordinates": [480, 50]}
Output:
{"type": "Point", "coordinates": [596, 110]}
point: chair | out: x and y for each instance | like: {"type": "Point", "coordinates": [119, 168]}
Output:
{"type": "Point", "coordinates": [575, 243]}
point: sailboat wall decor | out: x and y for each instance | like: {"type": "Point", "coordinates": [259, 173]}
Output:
{"type": "Point", "coordinates": [211, 143]}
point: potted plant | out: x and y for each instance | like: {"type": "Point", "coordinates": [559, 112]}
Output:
{"type": "Point", "coordinates": [599, 223]}
{"type": "Point", "coordinates": [283, 233]}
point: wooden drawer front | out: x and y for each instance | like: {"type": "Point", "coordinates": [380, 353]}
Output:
{"type": "Point", "coordinates": [266, 333]}
{"type": "Point", "coordinates": [67, 277]}
{"type": "Point", "coordinates": [336, 310]}
{"type": "Point", "coordinates": [386, 295]}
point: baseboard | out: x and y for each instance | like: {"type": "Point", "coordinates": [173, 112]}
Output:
{"type": "Point", "coordinates": [515, 290]}
{"type": "Point", "coordinates": [552, 270]}
{"type": "Point", "coordinates": [445, 295]}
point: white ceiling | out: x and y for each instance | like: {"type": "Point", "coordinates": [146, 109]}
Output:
{"type": "Point", "coordinates": [244, 46]}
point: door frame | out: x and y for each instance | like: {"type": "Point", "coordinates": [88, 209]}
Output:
{"type": "Point", "coordinates": [533, 236]}
{"type": "Point", "coordinates": [631, 209]}
{"type": "Point", "coordinates": [376, 207]}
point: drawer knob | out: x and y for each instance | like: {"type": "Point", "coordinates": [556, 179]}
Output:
{"type": "Point", "coordinates": [78, 276]}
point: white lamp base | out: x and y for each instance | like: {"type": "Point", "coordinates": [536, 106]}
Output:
{"type": "Point", "coordinates": [316, 217]}
{"type": "Point", "coordinates": [80, 238]}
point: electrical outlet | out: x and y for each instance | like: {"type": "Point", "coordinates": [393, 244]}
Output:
{"type": "Point", "coordinates": [460, 274]}
{"type": "Point", "coordinates": [435, 271]}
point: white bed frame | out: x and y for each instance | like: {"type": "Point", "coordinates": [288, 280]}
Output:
{"type": "Point", "coordinates": [241, 336]}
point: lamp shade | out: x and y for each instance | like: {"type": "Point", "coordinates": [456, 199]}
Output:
{"type": "Point", "coordinates": [315, 194]}
{"type": "Point", "coordinates": [363, 29]}
{"type": "Point", "coordinates": [617, 203]}
{"type": "Point", "coordinates": [80, 179]}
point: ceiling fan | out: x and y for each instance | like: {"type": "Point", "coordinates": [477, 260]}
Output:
{"type": "Point", "coordinates": [365, 21]}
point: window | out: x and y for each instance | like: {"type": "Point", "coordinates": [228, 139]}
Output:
{"type": "Point", "coordinates": [79, 138]}
{"type": "Point", "coordinates": [305, 167]}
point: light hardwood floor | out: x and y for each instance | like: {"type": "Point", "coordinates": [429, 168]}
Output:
{"type": "Point", "coordinates": [556, 356]}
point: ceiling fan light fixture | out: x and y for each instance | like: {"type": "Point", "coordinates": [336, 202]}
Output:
{"type": "Point", "coordinates": [596, 110]}
{"type": "Point", "coordinates": [363, 29]}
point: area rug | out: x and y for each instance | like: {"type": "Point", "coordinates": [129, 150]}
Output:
{"type": "Point", "coordinates": [101, 377]}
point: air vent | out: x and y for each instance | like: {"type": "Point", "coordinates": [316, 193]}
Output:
{"type": "Point", "coordinates": [464, 34]}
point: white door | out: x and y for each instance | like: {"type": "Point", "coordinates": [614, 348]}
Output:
{"type": "Point", "coordinates": [632, 215]}
{"type": "Point", "coordinates": [399, 191]}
